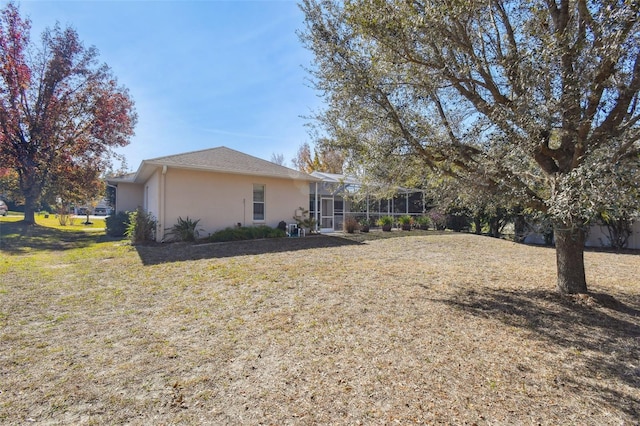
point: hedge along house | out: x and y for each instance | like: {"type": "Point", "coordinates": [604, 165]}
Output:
{"type": "Point", "coordinates": [334, 197]}
{"type": "Point", "coordinates": [219, 186]}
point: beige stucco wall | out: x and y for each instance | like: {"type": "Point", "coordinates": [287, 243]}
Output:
{"type": "Point", "coordinates": [598, 237]}
{"type": "Point", "coordinates": [223, 200]}
{"type": "Point", "coordinates": [634, 239]}
{"type": "Point", "coordinates": [129, 196]}
{"type": "Point", "coordinates": [152, 195]}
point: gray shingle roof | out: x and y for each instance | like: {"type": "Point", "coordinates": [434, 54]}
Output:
{"type": "Point", "coordinates": [226, 160]}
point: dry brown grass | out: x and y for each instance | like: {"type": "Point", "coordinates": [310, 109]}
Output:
{"type": "Point", "coordinates": [427, 329]}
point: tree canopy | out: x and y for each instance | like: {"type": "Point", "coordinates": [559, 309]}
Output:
{"type": "Point", "coordinates": [324, 159]}
{"type": "Point", "coordinates": [61, 112]}
{"type": "Point", "coordinates": [536, 100]}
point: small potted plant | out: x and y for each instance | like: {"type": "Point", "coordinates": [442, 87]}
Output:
{"type": "Point", "coordinates": [386, 222]}
{"type": "Point", "coordinates": [364, 225]}
{"type": "Point", "coordinates": [423, 222]}
{"type": "Point", "coordinates": [405, 222]}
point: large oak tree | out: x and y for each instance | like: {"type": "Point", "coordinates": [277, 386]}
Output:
{"type": "Point", "coordinates": [61, 111]}
{"type": "Point", "coordinates": [533, 99]}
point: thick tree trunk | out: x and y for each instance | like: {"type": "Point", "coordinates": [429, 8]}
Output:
{"type": "Point", "coordinates": [29, 211]}
{"type": "Point", "coordinates": [31, 191]}
{"type": "Point", "coordinates": [478, 225]}
{"type": "Point", "coordinates": [494, 227]}
{"type": "Point", "coordinates": [520, 228]}
{"type": "Point", "coordinates": [570, 260]}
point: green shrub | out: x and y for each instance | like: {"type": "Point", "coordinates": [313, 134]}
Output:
{"type": "Point", "coordinates": [457, 220]}
{"type": "Point", "coordinates": [405, 222]}
{"type": "Point", "coordinates": [141, 227]}
{"type": "Point", "coordinates": [364, 224]}
{"type": "Point", "coordinates": [246, 233]}
{"type": "Point", "coordinates": [184, 230]}
{"type": "Point", "coordinates": [117, 224]}
{"type": "Point", "coordinates": [423, 222]}
{"type": "Point", "coordinates": [385, 220]}
{"type": "Point", "coordinates": [305, 221]}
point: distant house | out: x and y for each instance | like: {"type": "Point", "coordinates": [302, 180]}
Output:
{"type": "Point", "coordinates": [220, 186]}
{"type": "Point", "coordinates": [100, 209]}
{"type": "Point", "coordinates": [599, 237]}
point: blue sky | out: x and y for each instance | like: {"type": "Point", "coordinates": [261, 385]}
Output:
{"type": "Point", "coordinates": [202, 73]}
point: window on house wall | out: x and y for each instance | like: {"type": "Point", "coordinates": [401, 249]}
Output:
{"type": "Point", "coordinates": [258, 202]}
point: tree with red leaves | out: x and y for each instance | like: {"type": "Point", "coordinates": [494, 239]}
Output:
{"type": "Point", "coordinates": [61, 112]}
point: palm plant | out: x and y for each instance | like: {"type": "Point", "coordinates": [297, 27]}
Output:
{"type": "Point", "coordinates": [386, 222]}
{"type": "Point", "coordinates": [185, 230]}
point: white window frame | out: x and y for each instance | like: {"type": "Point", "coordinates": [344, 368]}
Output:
{"type": "Point", "coordinates": [262, 202]}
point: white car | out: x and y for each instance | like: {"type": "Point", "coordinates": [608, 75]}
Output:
{"type": "Point", "coordinates": [3, 208]}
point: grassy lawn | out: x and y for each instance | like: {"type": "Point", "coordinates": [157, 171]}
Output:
{"type": "Point", "coordinates": [49, 234]}
{"type": "Point", "coordinates": [76, 223]}
{"type": "Point", "coordinates": [413, 328]}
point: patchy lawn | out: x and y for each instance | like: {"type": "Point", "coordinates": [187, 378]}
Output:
{"type": "Point", "coordinates": [450, 328]}
{"type": "Point", "coordinates": [16, 237]}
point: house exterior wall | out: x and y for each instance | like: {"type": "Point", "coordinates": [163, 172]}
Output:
{"type": "Point", "coordinates": [129, 196]}
{"type": "Point", "coordinates": [223, 200]}
{"type": "Point", "coordinates": [152, 196]}
{"type": "Point", "coordinates": [634, 239]}
{"type": "Point", "coordinates": [598, 237]}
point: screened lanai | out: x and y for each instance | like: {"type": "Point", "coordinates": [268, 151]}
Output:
{"type": "Point", "coordinates": [338, 196]}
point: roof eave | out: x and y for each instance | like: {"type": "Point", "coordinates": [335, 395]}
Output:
{"type": "Point", "coordinates": [141, 177]}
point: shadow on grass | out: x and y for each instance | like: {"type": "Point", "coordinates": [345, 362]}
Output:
{"type": "Point", "coordinates": [600, 324]}
{"type": "Point", "coordinates": [177, 252]}
{"type": "Point", "coordinates": [19, 238]}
